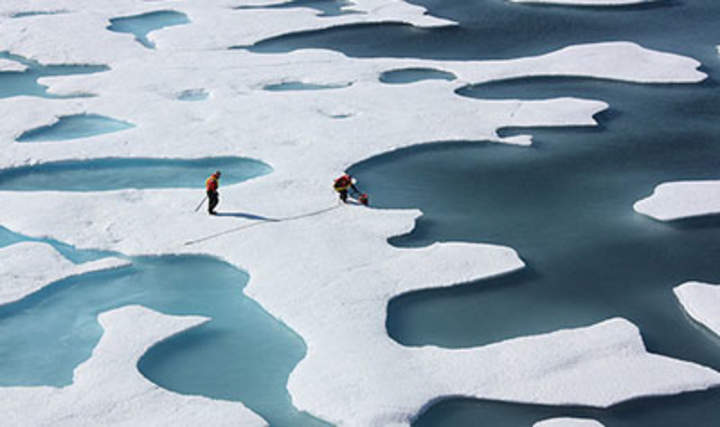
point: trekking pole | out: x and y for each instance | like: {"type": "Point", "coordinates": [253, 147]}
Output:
{"type": "Point", "coordinates": [201, 203]}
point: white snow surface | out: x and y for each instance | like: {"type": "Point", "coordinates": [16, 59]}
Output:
{"type": "Point", "coordinates": [701, 301]}
{"type": "Point", "coordinates": [325, 270]}
{"type": "Point", "coordinates": [108, 389]}
{"type": "Point", "coordinates": [555, 368]}
{"type": "Point", "coordinates": [391, 116]}
{"type": "Point", "coordinates": [681, 199]}
{"type": "Point", "coordinates": [568, 422]}
{"type": "Point", "coordinates": [215, 25]}
{"type": "Point", "coordinates": [8, 65]}
{"type": "Point", "coordinates": [586, 2]}
{"type": "Point", "coordinates": [28, 267]}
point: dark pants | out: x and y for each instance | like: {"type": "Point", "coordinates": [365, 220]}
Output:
{"type": "Point", "coordinates": [343, 195]}
{"type": "Point", "coordinates": [213, 200]}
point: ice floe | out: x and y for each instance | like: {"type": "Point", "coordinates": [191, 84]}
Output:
{"type": "Point", "coordinates": [567, 422]}
{"type": "Point", "coordinates": [136, 91]}
{"type": "Point", "coordinates": [324, 269]}
{"type": "Point", "coordinates": [8, 65]}
{"type": "Point", "coordinates": [336, 305]}
{"type": "Point", "coordinates": [607, 364]}
{"type": "Point", "coordinates": [220, 26]}
{"type": "Point", "coordinates": [108, 389]}
{"type": "Point", "coordinates": [28, 267]}
{"type": "Point", "coordinates": [681, 199]}
{"type": "Point", "coordinates": [702, 302]}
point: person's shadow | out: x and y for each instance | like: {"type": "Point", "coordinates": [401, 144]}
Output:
{"type": "Point", "coordinates": [247, 216]}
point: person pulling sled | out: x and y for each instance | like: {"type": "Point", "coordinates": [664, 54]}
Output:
{"type": "Point", "coordinates": [346, 183]}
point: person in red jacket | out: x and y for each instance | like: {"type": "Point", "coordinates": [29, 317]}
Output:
{"type": "Point", "coordinates": [343, 184]}
{"type": "Point", "coordinates": [211, 187]}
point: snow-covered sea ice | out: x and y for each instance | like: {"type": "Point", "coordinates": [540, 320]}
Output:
{"type": "Point", "coordinates": [308, 333]}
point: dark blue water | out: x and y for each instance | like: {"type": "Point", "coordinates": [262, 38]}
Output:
{"type": "Point", "coordinates": [119, 173]}
{"type": "Point", "coordinates": [686, 410]}
{"type": "Point", "coordinates": [17, 83]}
{"type": "Point", "coordinates": [411, 75]}
{"type": "Point", "coordinates": [566, 205]}
{"type": "Point", "coordinates": [325, 8]}
{"type": "Point", "coordinates": [498, 29]}
{"type": "Point", "coordinates": [74, 127]}
{"type": "Point", "coordinates": [142, 25]}
{"type": "Point", "coordinates": [242, 354]}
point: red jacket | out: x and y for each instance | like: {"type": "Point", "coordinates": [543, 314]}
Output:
{"type": "Point", "coordinates": [343, 183]}
{"type": "Point", "coordinates": [212, 183]}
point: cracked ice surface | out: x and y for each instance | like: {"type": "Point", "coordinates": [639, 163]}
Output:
{"type": "Point", "coordinates": [681, 199]}
{"type": "Point", "coordinates": [702, 302]}
{"type": "Point", "coordinates": [109, 390]}
{"type": "Point", "coordinates": [27, 267]}
{"type": "Point", "coordinates": [327, 271]}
